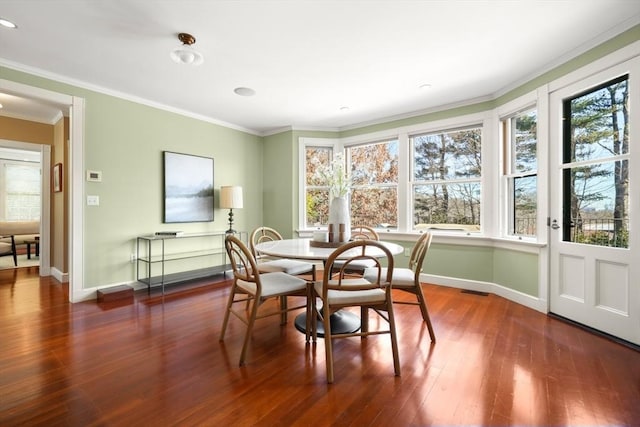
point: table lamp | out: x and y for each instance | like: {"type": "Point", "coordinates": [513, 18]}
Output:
{"type": "Point", "coordinates": [231, 198]}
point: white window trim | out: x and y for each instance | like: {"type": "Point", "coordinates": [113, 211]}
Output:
{"type": "Point", "coordinates": [402, 134]}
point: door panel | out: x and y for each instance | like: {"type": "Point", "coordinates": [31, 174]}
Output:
{"type": "Point", "coordinates": [594, 251]}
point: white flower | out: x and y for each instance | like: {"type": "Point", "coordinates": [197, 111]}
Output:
{"type": "Point", "coordinates": [336, 176]}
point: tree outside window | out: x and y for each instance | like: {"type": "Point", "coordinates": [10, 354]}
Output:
{"type": "Point", "coordinates": [446, 172]}
{"type": "Point", "coordinates": [374, 189]}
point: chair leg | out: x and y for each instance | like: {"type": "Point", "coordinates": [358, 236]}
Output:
{"type": "Point", "coordinates": [227, 311]}
{"type": "Point", "coordinates": [328, 348]}
{"type": "Point", "coordinates": [314, 318]}
{"type": "Point", "coordinates": [283, 310]}
{"type": "Point", "coordinates": [364, 320]}
{"type": "Point", "coordinates": [308, 321]}
{"type": "Point", "coordinates": [394, 340]}
{"type": "Point", "coordinates": [425, 313]}
{"type": "Point", "coordinates": [247, 337]}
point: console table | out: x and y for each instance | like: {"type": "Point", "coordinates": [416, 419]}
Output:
{"type": "Point", "coordinates": [166, 259]}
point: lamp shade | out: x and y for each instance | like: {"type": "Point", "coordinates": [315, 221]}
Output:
{"type": "Point", "coordinates": [231, 197]}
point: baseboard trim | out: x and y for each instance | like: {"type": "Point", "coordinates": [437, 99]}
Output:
{"type": "Point", "coordinates": [59, 275]}
{"type": "Point", "coordinates": [493, 288]}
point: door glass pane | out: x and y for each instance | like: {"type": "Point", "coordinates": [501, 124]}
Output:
{"type": "Point", "coordinates": [599, 211]}
{"type": "Point", "coordinates": [599, 127]}
{"type": "Point", "coordinates": [596, 193]}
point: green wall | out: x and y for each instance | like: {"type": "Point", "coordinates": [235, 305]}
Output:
{"type": "Point", "coordinates": [125, 141]}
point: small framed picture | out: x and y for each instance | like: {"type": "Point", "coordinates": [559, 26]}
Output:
{"type": "Point", "coordinates": [57, 177]}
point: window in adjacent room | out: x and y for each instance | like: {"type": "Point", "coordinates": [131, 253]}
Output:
{"type": "Point", "coordinates": [20, 191]}
{"type": "Point", "coordinates": [446, 179]}
{"type": "Point", "coordinates": [521, 172]}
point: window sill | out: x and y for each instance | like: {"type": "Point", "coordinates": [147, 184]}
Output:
{"type": "Point", "coordinates": [461, 238]}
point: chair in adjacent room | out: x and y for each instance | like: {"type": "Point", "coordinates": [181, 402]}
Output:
{"type": "Point", "coordinates": [408, 279]}
{"type": "Point", "coordinates": [338, 292]}
{"type": "Point", "coordinates": [250, 289]}
{"type": "Point", "coordinates": [268, 265]}
{"type": "Point", "coordinates": [360, 232]}
{"type": "Point", "coordinates": [8, 248]}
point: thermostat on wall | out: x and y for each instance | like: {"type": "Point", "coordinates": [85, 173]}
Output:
{"type": "Point", "coordinates": [95, 176]}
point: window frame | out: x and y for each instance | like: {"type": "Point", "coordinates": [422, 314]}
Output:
{"type": "Point", "coordinates": [304, 143]}
{"type": "Point", "coordinates": [535, 100]}
{"type": "Point", "coordinates": [483, 120]}
{"type": "Point", "coordinates": [448, 181]}
{"type": "Point", "coordinates": [509, 175]}
{"type": "Point", "coordinates": [376, 186]}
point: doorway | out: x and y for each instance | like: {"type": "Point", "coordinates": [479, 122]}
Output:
{"type": "Point", "coordinates": [594, 268]}
{"type": "Point", "coordinates": [75, 106]}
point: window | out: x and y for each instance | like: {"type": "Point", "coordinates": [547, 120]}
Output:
{"type": "Point", "coordinates": [316, 210]}
{"type": "Point", "coordinates": [446, 172]}
{"type": "Point", "coordinates": [374, 188]}
{"type": "Point", "coordinates": [20, 191]}
{"type": "Point", "coordinates": [519, 134]}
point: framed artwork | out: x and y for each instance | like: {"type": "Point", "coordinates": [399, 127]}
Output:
{"type": "Point", "coordinates": [188, 188]}
{"type": "Point", "coordinates": [57, 177]}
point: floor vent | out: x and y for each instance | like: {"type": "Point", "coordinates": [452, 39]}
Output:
{"type": "Point", "coordinates": [479, 293]}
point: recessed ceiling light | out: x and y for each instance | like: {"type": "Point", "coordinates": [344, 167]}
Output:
{"type": "Point", "coordinates": [425, 86]}
{"type": "Point", "coordinates": [7, 23]}
{"type": "Point", "coordinates": [345, 108]}
{"type": "Point", "coordinates": [244, 91]}
{"type": "Point", "coordinates": [0, 105]}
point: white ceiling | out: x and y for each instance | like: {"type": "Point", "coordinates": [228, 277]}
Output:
{"type": "Point", "coordinates": [304, 58]}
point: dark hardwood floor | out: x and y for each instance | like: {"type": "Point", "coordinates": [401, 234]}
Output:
{"type": "Point", "coordinates": [157, 361]}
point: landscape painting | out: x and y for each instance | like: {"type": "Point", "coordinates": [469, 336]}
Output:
{"type": "Point", "coordinates": [188, 188]}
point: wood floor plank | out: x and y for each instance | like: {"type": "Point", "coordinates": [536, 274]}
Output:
{"type": "Point", "coordinates": [158, 361]}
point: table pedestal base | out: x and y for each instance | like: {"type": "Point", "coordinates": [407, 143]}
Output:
{"type": "Point", "coordinates": [342, 322]}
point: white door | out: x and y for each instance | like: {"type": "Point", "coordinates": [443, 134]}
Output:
{"type": "Point", "coordinates": [594, 208]}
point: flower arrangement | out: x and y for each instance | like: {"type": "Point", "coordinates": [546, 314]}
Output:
{"type": "Point", "coordinates": [336, 176]}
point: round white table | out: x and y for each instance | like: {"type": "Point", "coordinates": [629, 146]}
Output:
{"type": "Point", "coordinates": [341, 321]}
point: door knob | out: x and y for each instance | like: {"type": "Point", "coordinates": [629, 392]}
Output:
{"type": "Point", "coordinates": [554, 224]}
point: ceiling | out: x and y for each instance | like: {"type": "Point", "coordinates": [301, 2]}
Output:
{"type": "Point", "coordinates": [314, 64]}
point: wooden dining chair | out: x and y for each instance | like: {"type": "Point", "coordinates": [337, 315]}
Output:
{"type": "Point", "coordinates": [408, 279]}
{"type": "Point", "coordinates": [269, 265]}
{"type": "Point", "coordinates": [340, 292]}
{"type": "Point", "coordinates": [360, 232]}
{"type": "Point", "coordinates": [251, 289]}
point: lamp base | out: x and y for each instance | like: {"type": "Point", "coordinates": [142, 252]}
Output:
{"type": "Point", "coordinates": [231, 230]}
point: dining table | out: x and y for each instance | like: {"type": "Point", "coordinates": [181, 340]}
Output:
{"type": "Point", "coordinates": [342, 321]}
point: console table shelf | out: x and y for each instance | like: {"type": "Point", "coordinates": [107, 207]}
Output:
{"type": "Point", "coordinates": [156, 253]}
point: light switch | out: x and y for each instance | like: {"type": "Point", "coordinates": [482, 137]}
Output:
{"type": "Point", "coordinates": [93, 200]}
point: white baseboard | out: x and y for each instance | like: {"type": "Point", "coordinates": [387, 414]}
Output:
{"type": "Point", "coordinates": [493, 288]}
{"type": "Point", "coordinates": [59, 275]}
